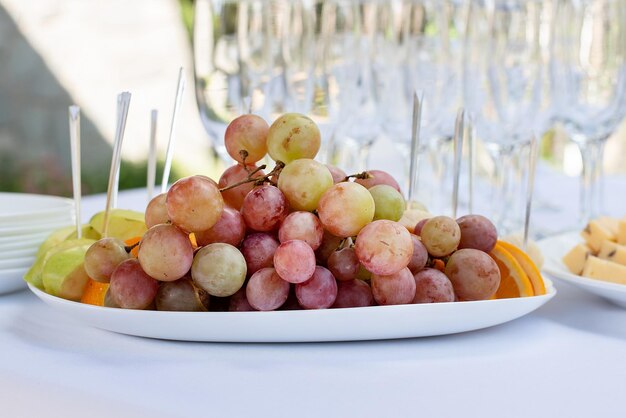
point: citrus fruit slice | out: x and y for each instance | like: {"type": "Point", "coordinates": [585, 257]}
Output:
{"type": "Point", "coordinates": [132, 242]}
{"type": "Point", "coordinates": [531, 270]}
{"type": "Point", "coordinates": [514, 282]}
{"type": "Point", "coordinates": [94, 293]}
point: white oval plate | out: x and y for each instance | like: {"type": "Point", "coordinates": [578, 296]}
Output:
{"type": "Point", "coordinates": [21, 262]}
{"type": "Point", "coordinates": [21, 206]}
{"type": "Point", "coordinates": [12, 280]}
{"type": "Point", "coordinates": [554, 248]}
{"type": "Point", "coordinates": [23, 243]}
{"type": "Point", "coordinates": [38, 228]}
{"type": "Point", "coordinates": [349, 324]}
{"type": "Point", "coordinates": [40, 237]}
{"type": "Point", "coordinates": [18, 253]}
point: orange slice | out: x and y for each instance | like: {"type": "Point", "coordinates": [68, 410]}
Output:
{"type": "Point", "coordinates": [531, 270]}
{"type": "Point", "coordinates": [94, 293]}
{"type": "Point", "coordinates": [132, 241]}
{"type": "Point", "coordinates": [514, 282]}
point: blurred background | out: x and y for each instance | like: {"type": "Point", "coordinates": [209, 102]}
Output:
{"type": "Point", "coordinates": [54, 53]}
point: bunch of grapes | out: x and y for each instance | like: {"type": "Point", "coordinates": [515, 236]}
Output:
{"type": "Point", "coordinates": [303, 236]}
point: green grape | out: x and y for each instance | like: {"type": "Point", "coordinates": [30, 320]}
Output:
{"type": "Point", "coordinates": [388, 202]}
{"type": "Point", "coordinates": [219, 269]}
{"type": "Point", "coordinates": [345, 208]}
{"type": "Point", "coordinates": [303, 182]}
{"type": "Point", "coordinates": [293, 136]}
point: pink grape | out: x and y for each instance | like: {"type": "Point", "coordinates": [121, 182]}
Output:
{"type": "Point", "coordinates": [103, 257]}
{"type": "Point", "coordinates": [319, 292]}
{"type": "Point", "coordinates": [384, 247]}
{"type": "Point", "coordinates": [441, 236]}
{"type": "Point", "coordinates": [431, 286]}
{"type": "Point", "coordinates": [248, 133]}
{"type": "Point", "coordinates": [131, 287]}
{"type": "Point", "coordinates": [303, 226]}
{"type": "Point", "coordinates": [194, 203]}
{"type": "Point", "coordinates": [258, 249]}
{"type": "Point", "coordinates": [294, 261]}
{"type": "Point", "coordinates": [353, 294]}
{"type": "Point", "coordinates": [293, 136]}
{"type": "Point", "coordinates": [379, 177]}
{"type": "Point", "coordinates": [239, 303]}
{"type": "Point", "coordinates": [477, 232]}
{"type": "Point", "coordinates": [329, 244]}
{"type": "Point", "coordinates": [230, 228]}
{"type": "Point", "coordinates": [264, 208]}
{"type": "Point", "coordinates": [165, 252]}
{"type": "Point", "coordinates": [266, 291]}
{"type": "Point", "coordinates": [338, 174]}
{"type": "Point", "coordinates": [234, 174]}
{"type": "Point", "coordinates": [181, 295]}
{"type": "Point", "coordinates": [108, 300]}
{"type": "Point", "coordinates": [394, 289]}
{"type": "Point", "coordinates": [303, 182]}
{"type": "Point", "coordinates": [474, 275]}
{"type": "Point", "coordinates": [219, 269]}
{"type": "Point", "coordinates": [156, 211]}
{"type": "Point", "coordinates": [419, 257]}
{"type": "Point", "coordinates": [418, 227]}
{"type": "Point", "coordinates": [345, 208]}
{"type": "Point", "coordinates": [344, 264]}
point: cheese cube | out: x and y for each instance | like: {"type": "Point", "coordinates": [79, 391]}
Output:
{"type": "Point", "coordinates": [621, 233]}
{"type": "Point", "coordinates": [612, 224]}
{"type": "Point", "coordinates": [595, 234]}
{"type": "Point", "coordinates": [614, 252]}
{"type": "Point", "coordinates": [609, 271]}
{"type": "Point", "coordinates": [575, 259]}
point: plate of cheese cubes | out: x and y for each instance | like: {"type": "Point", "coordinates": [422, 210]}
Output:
{"type": "Point", "coordinates": [593, 259]}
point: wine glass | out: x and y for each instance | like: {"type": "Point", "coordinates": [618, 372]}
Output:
{"type": "Point", "coordinates": [236, 45]}
{"type": "Point", "coordinates": [588, 80]}
{"type": "Point", "coordinates": [347, 30]}
{"type": "Point", "coordinates": [502, 88]}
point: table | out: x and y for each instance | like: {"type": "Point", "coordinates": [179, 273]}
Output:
{"type": "Point", "coordinates": [565, 359]}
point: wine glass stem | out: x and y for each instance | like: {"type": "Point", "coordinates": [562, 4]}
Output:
{"type": "Point", "coordinates": [592, 153]}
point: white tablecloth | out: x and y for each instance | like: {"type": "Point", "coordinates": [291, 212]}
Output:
{"type": "Point", "coordinates": [567, 359]}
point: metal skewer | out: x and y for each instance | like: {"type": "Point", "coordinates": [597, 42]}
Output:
{"type": "Point", "coordinates": [180, 88]}
{"type": "Point", "coordinates": [418, 100]}
{"type": "Point", "coordinates": [123, 103]}
{"type": "Point", "coordinates": [74, 121]}
{"type": "Point", "coordinates": [532, 166]}
{"type": "Point", "coordinates": [458, 152]}
{"type": "Point", "coordinates": [151, 175]}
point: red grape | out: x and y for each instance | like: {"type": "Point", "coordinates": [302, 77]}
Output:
{"type": "Point", "coordinates": [474, 275]}
{"type": "Point", "coordinates": [477, 232]}
{"type": "Point", "coordinates": [420, 255]}
{"type": "Point", "coordinates": [394, 289]}
{"type": "Point", "coordinates": [194, 203]}
{"type": "Point", "coordinates": [384, 247]}
{"type": "Point", "coordinates": [248, 133]}
{"type": "Point", "coordinates": [353, 294]}
{"type": "Point", "coordinates": [329, 244]}
{"type": "Point", "coordinates": [294, 261]}
{"type": "Point", "coordinates": [165, 252]}
{"type": "Point", "coordinates": [343, 264]}
{"type": "Point", "coordinates": [379, 177]}
{"type": "Point", "coordinates": [234, 174]}
{"type": "Point", "coordinates": [303, 226]}
{"type": "Point", "coordinates": [230, 228]}
{"type": "Point", "coordinates": [431, 285]}
{"type": "Point", "coordinates": [131, 287]}
{"type": "Point", "coordinates": [266, 291]}
{"type": "Point", "coordinates": [338, 174]}
{"type": "Point", "coordinates": [181, 295]}
{"type": "Point", "coordinates": [319, 292]}
{"type": "Point", "coordinates": [264, 208]}
{"type": "Point", "coordinates": [156, 211]}
{"type": "Point", "coordinates": [258, 249]}
{"type": "Point", "coordinates": [239, 303]}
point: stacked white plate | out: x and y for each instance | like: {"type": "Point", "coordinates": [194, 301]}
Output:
{"type": "Point", "coordinates": [25, 222]}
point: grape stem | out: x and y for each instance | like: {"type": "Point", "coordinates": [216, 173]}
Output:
{"type": "Point", "coordinates": [244, 154]}
{"type": "Point", "coordinates": [258, 180]}
{"type": "Point", "coordinates": [363, 176]}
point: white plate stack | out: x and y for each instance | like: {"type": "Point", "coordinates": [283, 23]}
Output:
{"type": "Point", "coordinates": [25, 222]}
